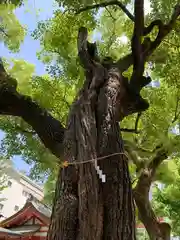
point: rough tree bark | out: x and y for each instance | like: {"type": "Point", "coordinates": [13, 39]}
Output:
{"type": "Point", "coordinates": [105, 210]}
{"type": "Point", "coordinates": [84, 207]}
{"type": "Point", "coordinates": [155, 229]}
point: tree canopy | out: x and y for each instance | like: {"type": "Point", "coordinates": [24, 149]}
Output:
{"type": "Point", "coordinates": [155, 134]}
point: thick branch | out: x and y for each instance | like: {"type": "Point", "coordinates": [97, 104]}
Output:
{"type": "Point", "coordinates": [124, 63]}
{"type": "Point", "coordinates": [136, 46]}
{"type": "Point", "coordinates": [148, 46]}
{"type": "Point", "coordinates": [141, 195]}
{"type": "Point", "coordinates": [82, 46]}
{"type": "Point", "coordinates": [49, 130]}
{"type": "Point", "coordinates": [157, 160]}
{"type": "Point", "coordinates": [21, 130]}
{"type": "Point", "coordinates": [164, 30]}
{"type": "Point", "coordinates": [148, 173]}
{"type": "Point", "coordinates": [105, 4]}
{"type": "Point", "coordinates": [148, 29]}
{"type": "Point", "coordinates": [134, 147]}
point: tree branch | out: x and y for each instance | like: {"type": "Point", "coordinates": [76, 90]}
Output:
{"type": "Point", "coordinates": [86, 50]}
{"type": "Point", "coordinates": [148, 29]}
{"type": "Point", "coordinates": [3, 31]}
{"type": "Point", "coordinates": [148, 46]}
{"type": "Point", "coordinates": [135, 130]}
{"type": "Point", "coordinates": [21, 130]}
{"type": "Point", "coordinates": [105, 4]}
{"type": "Point", "coordinates": [137, 121]}
{"type": "Point", "coordinates": [157, 160]}
{"type": "Point", "coordinates": [136, 46]}
{"type": "Point", "coordinates": [49, 130]}
{"type": "Point", "coordinates": [176, 114]}
{"type": "Point", "coordinates": [164, 30]}
{"type": "Point", "coordinates": [134, 147]}
{"type": "Point", "coordinates": [124, 63]}
{"type": "Point", "coordinates": [129, 130]}
{"type": "Point", "coordinates": [138, 81]}
{"type": "Point", "coordinates": [141, 195]}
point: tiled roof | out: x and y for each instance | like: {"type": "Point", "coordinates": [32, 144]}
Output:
{"type": "Point", "coordinates": [42, 208]}
{"type": "Point", "coordinates": [9, 232]}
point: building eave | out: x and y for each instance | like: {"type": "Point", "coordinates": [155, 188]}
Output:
{"type": "Point", "coordinates": [23, 214]}
{"type": "Point", "coordinates": [4, 232]}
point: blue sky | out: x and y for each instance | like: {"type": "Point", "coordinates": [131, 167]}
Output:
{"type": "Point", "coordinates": [28, 16]}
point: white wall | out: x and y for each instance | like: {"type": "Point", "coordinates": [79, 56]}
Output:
{"type": "Point", "coordinates": [32, 188]}
{"type": "Point", "coordinates": [14, 194]}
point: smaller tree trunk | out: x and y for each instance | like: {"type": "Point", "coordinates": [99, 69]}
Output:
{"type": "Point", "coordinates": [155, 229]}
{"type": "Point", "coordinates": [165, 230]}
{"type": "Point", "coordinates": [64, 221]}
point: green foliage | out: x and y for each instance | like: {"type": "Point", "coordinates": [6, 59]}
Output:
{"type": "Point", "coordinates": [56, 90]}
{"type": "Point", "coordinates": [59, 39]}
{"type": "Point", "coordinates": [166, 202]}
{"type": "Point", "coordinates": [5, 165]}
{"type": "Point", "coordinates": [49, 188]}
{"type": "Point", "coordinates": [162, 9]}
{"type": "Point", "coordinates": [142, 234]}
{"type": "Point", "coordinates": [11, 31]}
{"type": "Point", "coordinates": [111, 43]}
{"type": "Point", "coordinates": [168, 167]}
{"type": "Point", "coordinates": [20, 138]}
{"type": "Point", "coordinates": [74, 5]}
{"type": "Point", "coordinates": [14, 2]}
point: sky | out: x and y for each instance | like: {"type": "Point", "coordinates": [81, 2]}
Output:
{"type": "Point", "coordinates": [29, 15]}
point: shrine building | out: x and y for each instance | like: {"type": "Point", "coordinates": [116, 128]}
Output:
{"type": "Point", "coordinates": [29, 223]}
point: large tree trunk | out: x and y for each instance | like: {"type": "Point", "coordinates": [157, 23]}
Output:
{"type": "Point", "coordinates": [85, 208]}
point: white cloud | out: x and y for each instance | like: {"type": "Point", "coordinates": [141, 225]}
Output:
{"type": "Point", "coordinates": [147, 7]}
{"type": "Point", "coordinates": [122, 40]}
